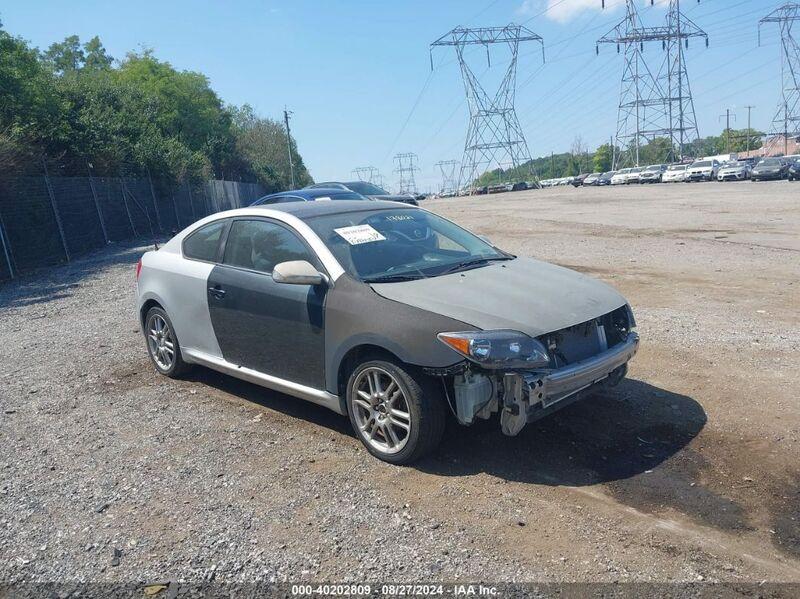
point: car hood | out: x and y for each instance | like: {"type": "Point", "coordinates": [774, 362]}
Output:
{"type": "Point", "coordinates": [522, 294]}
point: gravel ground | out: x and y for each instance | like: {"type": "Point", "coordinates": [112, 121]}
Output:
{"type": "Point", "coordinates": [686, 472]}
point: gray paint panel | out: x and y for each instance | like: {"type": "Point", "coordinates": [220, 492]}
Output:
{"type": "Point", "coordinates": [523, 294]}
{"type": "Point", "coordinates": [356, 315]}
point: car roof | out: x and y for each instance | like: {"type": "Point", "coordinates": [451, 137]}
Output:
{"type": "Point", "coordinates": [328, 185]}
{"type": "Point", "coordinates": [306, 194]}
{"type": "Point", "coordinates": [304, 210]}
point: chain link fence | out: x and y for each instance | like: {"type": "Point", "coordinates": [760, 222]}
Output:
{"type": "Point", "coordinates": [46, 220]}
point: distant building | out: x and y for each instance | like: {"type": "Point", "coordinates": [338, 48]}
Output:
{"type": "Point", "coordinates": [777, 145]}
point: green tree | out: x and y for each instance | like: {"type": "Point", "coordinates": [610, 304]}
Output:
{"type": "Point", "coordinates": [603, 158]}
{"type": "Point", "coordinates": [65, 56]}
{"type": "Point", "coordinates": [261, 143]}
{"type": "Point", "coordinates": [30, 107]}
{"type": "Point", "coordinates": [95, 55]}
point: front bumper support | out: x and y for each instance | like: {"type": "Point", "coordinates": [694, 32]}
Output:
{"type": "Point", "coordinates": [531, 395]}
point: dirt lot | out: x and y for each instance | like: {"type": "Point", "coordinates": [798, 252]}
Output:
{"type": "Point", "coordinates": [688, 471]}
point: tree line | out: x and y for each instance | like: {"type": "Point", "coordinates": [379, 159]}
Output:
{"type": "Point", "coordinates": [580, 160]}
{"type": "Point", "coordinates": [75, 105]}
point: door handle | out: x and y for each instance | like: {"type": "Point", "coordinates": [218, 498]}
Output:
{"type": "Point", "coordinates": [217, 292]}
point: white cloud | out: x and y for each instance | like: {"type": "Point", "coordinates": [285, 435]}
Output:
{"type": "Point", "coordinates": [564, 11]}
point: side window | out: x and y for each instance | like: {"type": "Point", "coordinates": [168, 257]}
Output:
{"type": "Point", "coordinates": [260, 245]}
{"type": "Point", "coordinates": [203, 243]}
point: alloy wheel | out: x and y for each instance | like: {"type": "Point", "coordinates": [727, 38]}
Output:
{"type": "Point", "coordinates": [160, 342]}
{"type": "Point", "coordinates": [381, 410]}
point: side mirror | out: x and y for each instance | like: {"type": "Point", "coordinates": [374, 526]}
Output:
{"type": "Point", "coordinates": [297, 272]}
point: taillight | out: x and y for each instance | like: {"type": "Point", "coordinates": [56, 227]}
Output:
{"type": "Point", "coordinates": [138, 268]}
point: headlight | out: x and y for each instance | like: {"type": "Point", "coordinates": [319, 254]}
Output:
{"type": "Point", "coordinates": [498, 349]}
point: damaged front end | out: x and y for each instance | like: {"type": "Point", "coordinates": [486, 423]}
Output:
{"type": "Point", "coordinates": [526, 379]}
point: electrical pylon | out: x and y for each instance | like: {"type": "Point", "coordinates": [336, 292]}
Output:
{"type": "Point", "coordinates": [659, 105]}
{"type": "Point", "coordinates": [366, 173]}
{"type": "Point", "coordinates": [675, 77]}
{"type": "Point", "coordinates": [787, 117]}
{"type": "Point", "coordinates": [494, 136]}
{"type": "Point", "coordinates": [447, 168]}
{"type": "Point", "coordinates": [405, 170]}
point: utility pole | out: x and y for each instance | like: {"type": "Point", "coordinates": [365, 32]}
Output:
{"type": "Point", "coordinates": [727, 117]}
{"type": "Point", "coordinates": [286, 114]}
{"type": "Point", "coordinates": [787, 117]}
{"type": "Point", "coordinates": [749, 110]}
{"type": "Point", "coordinates": [494, 135]}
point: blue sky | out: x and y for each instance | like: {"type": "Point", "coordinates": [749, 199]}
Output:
{"type": "Point", "coordinates": [357, 76]}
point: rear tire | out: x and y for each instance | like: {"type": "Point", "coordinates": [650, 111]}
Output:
{"type": "Point", "coordinates": [396, 412]}
{"type": "Point", "coordinates": [162, 344]}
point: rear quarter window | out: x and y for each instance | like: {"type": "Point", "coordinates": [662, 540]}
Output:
{"type": "Point", "coordinates": [204, 242]}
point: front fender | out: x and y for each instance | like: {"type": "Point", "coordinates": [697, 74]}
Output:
{"type": "Point", "coordinates": [355, 315]}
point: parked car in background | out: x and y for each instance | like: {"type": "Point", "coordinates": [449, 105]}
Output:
{"type": "Point", "coordinates": [605, 178]}
{"type": "Point", "coordinates": [734, 171]}
{"type": "Point", "coordinates": [634, 175]}
{"type": "Point", "coordinates": [702, 170]}
{"type": "Point", "coordinates": [770, 169]}
{"type": "Point", "coordinates": [578, 180]}
{"type": "Point", "coordinates": [675, 173]}
{"type": "Point", "coordinates": [794, 171]}
{"type": "Point", "coordinates": [653, 173]}
{"type": "Point", "coordinates": [369, 190]}
{"type": "Point", "coordinates": [621, 176]}
{"type": "Point", "coordinates": [385, 313]}
{"type": "Point", "coordinates": [592, 179]}
{"type": "Point", "coordinates": [309, 195]}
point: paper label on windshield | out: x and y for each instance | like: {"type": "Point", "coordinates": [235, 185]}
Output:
{"type": "Point", "coordinates": [360, 234]}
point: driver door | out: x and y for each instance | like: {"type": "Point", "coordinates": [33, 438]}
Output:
{"type": "Point", "coordinates": [274, 328]}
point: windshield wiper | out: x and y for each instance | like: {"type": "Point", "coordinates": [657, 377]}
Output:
{"type": "Point", "coordinates": [393, 278]}
{"type": "Point", "coordinates": [474, 263]}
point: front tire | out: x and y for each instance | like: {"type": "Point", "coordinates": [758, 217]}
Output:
{"type": "Point", "coordinates": [398, 415]}
{"type": "Point", "coordinates": [162, 344]}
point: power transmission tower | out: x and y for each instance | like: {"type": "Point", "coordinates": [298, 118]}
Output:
{"type": "Point", "coordinates": [659, 105]}
{"type": "Point", "coordinates": [494, 135]}
{"type": "Point", "coordinates": [366, 173]}
{"type": "Point", "coordinates": [448, 170]}
{"type": "Point", "coordinates": [682, 118]}
{"type": "Point", "coordinates": [788, 114]}
{"type": "Point", "coordinates": [405, 169]}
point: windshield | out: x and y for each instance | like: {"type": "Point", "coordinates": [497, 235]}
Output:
{"type": "Point", "coordinates": [734, 165]}
{"type": "Point", "coordinates": [770, 162]}
{"type": "Point", "coordinates": [654, 168]}
{"type": "Point", "coordinates": [701, 164]}
{"type": "Point", "coordinates": [367, 189]}
{"type": "Point", "coordinates": [400, 244]}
